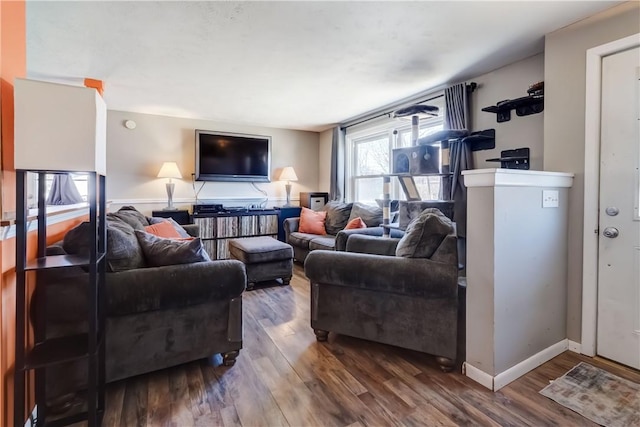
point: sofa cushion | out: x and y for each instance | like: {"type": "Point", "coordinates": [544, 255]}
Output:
{"type": "Point", "coordinates": [131, 216]}
{"type": "Point", "coordinates": [301, 240]}
{"type": "Point", "coordinates": [312, 222]}
{"type": "Point", "coordinates": [159, 251]}
{"type": "Point", "coordinates": [327, 243]}
{"type": "Point", "coordinates": [179, 229]}
{"type": "Point", "coordinates": [337, 216]}
{"type": "Point", "coordinates": [123, 249]}
{"type": "Point", "coordinates": [424, 234]}
{"type": "Point", "coordinates": [355, 223]}
{"type": "Point", "coordinates": [371, 215]}
{"type": "Point", "coordinates": [262, 249]}
{"type": "Point", "coordinates": [163, 229]}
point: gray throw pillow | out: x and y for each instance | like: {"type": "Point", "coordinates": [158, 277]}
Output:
{"type": "Point", "coordinates": [337, 216]}
{"type": "Point", "coordinates": [181, 231]}
{"type": "Point", "coordinates": [131, 216]}
{"type": "Point", "coordinates": [159, 251]}
{"type": "Point", "coordinates": [424, 234]}
{"type": "Point", "coordinates": [371, 215]}
{"type": "Point", "coordinates": [123, 249]}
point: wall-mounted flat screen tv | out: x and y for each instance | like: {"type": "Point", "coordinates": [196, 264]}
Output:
{"type": "Point", "coordinates": [222, 156]}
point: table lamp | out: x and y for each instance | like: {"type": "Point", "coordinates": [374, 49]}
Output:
{"type": "Point", "coordinates": [170, 170]}
{"type": "Point", "coordinates": [288, 174]}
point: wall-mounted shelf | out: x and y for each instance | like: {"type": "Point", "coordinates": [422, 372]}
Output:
{"type": "Point", "coordinates": [513, 159]}
{"type": "Point", "coordinates": [524, 106]}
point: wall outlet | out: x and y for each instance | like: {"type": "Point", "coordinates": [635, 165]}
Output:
{"type": "Point", "coordinates": [550, 199]}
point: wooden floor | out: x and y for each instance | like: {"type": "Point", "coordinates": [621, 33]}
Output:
{"type": "Point", "coordinates": [284, 377]}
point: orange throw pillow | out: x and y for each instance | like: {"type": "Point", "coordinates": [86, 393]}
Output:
{"type": "Point", "coordinates": [312, 222]}
{"type": "Point", "coordinates": [355, 223]}
{"type": "Point", "coordinates": [163, 229]}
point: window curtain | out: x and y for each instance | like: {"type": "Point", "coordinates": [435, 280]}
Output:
{"type": "Point", "coordinates": [457, 116]}
{"type": "Point", "coordinates": [63, 191]}
{"type": "Point", "coordinates": [337, 190]}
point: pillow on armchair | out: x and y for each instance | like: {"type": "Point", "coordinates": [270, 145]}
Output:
{"type": "Point", "coordinates": [425, 234]}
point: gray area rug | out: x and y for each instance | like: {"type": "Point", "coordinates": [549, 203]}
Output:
{"type": "Point", "coordinates": [598, 395]}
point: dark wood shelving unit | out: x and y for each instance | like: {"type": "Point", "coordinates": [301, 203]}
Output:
{"type": "Point", "coordinates": [47, 352]}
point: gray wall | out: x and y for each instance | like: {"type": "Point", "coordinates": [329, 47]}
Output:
{"type": "Point", "coordinates": [516, 265]}
{"type": "Point", "coordinates": [324, 160]}
{"type": "Point", "coordinates": [134, 158]}
{"type": "Point", "coordinates": [480, 275]}
{"type": "Point", "coordinates": [565, 53]}
{"type": "Point", "coordinates": [530, 295]}
{"type": "Point", "coordinates": [509, 82]}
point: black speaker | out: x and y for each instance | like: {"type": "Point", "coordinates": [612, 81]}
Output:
{"type": "Point", "coordinates": [420, 159]}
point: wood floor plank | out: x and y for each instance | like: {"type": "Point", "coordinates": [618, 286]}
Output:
{"type": "Point", "coordinates": [197, 391]}
{"type": "Point", "coordinates": [283, 376]}
{"type": "Point", "coordinates": [114, 401]}
{"type": "Point", "coordinates": [134, 411]}
{"type": "Point", "coordinates": [158, 412]}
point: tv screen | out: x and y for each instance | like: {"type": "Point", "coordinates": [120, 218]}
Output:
{"type": "Point", "coordinates": [224, 156]}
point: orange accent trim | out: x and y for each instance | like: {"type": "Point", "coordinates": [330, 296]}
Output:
{"type": "Point", "coordinates": [96, 84]}
{"type": "Point", "coordinates": [13, 63]}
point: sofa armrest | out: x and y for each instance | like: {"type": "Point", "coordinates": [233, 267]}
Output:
{"type": "Point", "coordinates": [417, 277]}
{"type": "Point", "coordinates": [290, 225]}
{"type": "Point", "coordinates": [148, 289]}
{"type": "Point", "coordinates": [374, 245]}
{"type": "Point", "coordinates": [192, 229]}
{"type": "Point", "coordinates": [343, 235]}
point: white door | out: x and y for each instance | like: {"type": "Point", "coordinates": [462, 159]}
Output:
{"type": "Point", "coordinates": [619, 243]}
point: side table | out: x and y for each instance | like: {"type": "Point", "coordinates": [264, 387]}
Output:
{"type": "Point", "coordinates": [182, 217]}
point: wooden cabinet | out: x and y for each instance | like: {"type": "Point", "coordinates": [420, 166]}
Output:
{"type": "Point", "coordinates": [182, 217]}
{"type": "Point", "coordinates": [217, 228]}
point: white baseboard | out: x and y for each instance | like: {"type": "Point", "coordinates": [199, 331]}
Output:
{"type": "Point", "coordinates": [527, 365]}
{"type": "Point", "coordinates": [478, 376]}
{"type": "Point", "coordinates": [515, 372]}
{"type": "Point", "coordinates": [576, 347]}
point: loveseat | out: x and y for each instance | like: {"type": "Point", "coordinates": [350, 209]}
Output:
{"type": "Point", "coordinates": [402, 292]}
{"type": "Point", "coordinates": [157, 316]}
{"type": "Point", "coordinates": [339, 214]}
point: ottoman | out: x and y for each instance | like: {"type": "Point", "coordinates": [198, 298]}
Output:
{"type": "Point", "coordinates": [265, 258]}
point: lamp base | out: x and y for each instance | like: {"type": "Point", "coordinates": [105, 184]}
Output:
{"type": "Point", "coordinates": [170, 187]}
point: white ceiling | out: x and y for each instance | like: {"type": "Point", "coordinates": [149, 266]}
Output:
{"type": "Point", "coordinates": [297, 65]}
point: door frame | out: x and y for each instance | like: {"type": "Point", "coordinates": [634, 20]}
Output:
{"type": "Point", "coordinates": [591, 231]}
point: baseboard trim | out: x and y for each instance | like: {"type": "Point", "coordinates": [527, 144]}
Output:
{"type": "Point", "coordinates": [478, 375]}
{"type": "Point", "coordinates": [576, 347]}
{"type": "Point", "coordinates": [518, 370]}
{"type": "Point", "coordinates": [527, 365]}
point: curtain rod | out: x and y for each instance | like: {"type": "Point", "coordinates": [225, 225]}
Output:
{"type": "Point", "coordinates": [471, 86]}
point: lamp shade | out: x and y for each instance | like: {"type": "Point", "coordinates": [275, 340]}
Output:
{"type": "Point", "coordinates": [59, 127]}
{"type": "Point", "coordinates": [169, 170]}
{"type": "Point", "coordinates": [288, 174]}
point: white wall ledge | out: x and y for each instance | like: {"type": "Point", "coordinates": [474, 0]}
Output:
{"type": "Point", "coordinates": [498, 177]}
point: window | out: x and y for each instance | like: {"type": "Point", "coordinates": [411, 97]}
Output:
{"type": "Point", "coordinates": [369, 151]}
{"type": "Point", "coordinates": [79, 179]}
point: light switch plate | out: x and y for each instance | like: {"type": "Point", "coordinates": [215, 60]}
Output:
{"type": "Point", "coordinates": [550, 199]}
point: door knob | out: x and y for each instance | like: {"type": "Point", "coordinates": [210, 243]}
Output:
{"type": "Point", "coordinates": [610, 232]}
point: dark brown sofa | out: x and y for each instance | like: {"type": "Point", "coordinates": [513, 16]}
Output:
{"type": "Point", "coordinates": [157, 317]}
